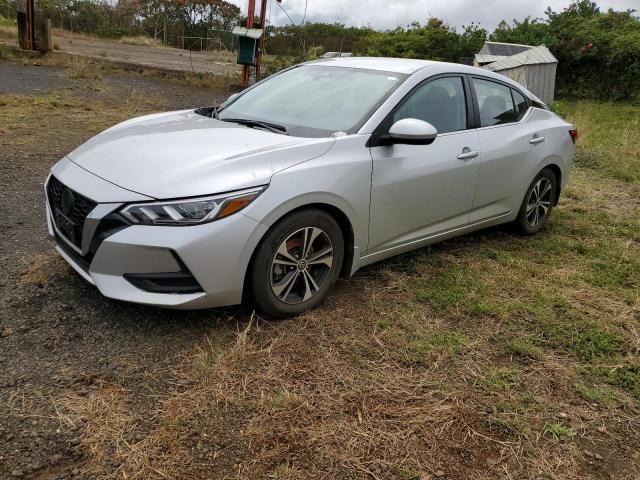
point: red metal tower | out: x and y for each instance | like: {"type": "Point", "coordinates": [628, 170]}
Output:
{"type": "Point", "coordinates": [251, 11]}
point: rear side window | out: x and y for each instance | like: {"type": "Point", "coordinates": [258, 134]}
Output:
{"type": "Point", "coordinates": [495, 102]}
{"type": "Point", "coordinates": [440, 102]}
{"type": "Point", "coordinates": [521, 104]}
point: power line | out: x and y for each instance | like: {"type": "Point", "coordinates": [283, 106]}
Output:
{"type": "Point", "coordinates": [285, 12]}
{"type": "Point", "coordinates": [304, 17]}
{"type": "Point", "coordinates": [301, 26]}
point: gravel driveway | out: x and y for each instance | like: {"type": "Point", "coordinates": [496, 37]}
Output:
{"type": "Point", "coordinates": [58, 336]}
{"type": "Point", "coordinates": [158, 57]}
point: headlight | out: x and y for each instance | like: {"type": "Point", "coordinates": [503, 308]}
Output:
{"type": "Point", "coordinates": [191, 211]}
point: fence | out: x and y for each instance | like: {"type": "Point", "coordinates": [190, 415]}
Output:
{"type": "Point", "coordinates": [216, 40]}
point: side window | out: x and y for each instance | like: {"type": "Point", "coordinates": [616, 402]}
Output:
{"type": "Point", "coordinates": [440, 102]}
{"type": "Point", "coordinates": [521, 104]}
{"type": "Point", "coordinates": [495, 102]}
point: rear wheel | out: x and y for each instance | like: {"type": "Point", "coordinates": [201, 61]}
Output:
{"type": "Point", "coordinates": [538, 202]}
{"type": "Point", "coordinates": [297, 263]}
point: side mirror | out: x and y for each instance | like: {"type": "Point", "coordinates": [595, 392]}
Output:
{"type": "Point", "coordinates": [413, 132]}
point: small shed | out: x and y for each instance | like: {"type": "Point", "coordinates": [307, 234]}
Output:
{"type": "Point", "coordinates": [534, 68]}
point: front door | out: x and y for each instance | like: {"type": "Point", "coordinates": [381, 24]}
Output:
{"type": "Point", "coordinates": [419, 191]}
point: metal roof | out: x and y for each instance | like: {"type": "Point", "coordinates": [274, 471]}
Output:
{"type": "Point", "coordinates": [247, 32]}
{"type": "Point", "coordinates": [503, 49]}
{"type": "Point", "coordinates": [535, 55]}
{"type": "Point", "coordinates": [480, 58]}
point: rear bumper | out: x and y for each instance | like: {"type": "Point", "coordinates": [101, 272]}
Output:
{"type": "Point", "coordinates": [215, 256]}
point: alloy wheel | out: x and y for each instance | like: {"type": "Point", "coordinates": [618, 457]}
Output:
{"type": "Point", "coordinates": [539, 202]}
{"type": "Point", "coordinates": [301, 265]}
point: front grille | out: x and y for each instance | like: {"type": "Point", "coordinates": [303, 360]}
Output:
{"type": "Point", "coordinates": [69, 210]}
{"type": "Point", "coordinates": [108, 226]}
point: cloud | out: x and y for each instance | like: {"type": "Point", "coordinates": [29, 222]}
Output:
{"type": "Point", "coordinates": [384, 14]}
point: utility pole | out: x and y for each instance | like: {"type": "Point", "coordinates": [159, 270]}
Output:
{"type": "Point", "coordinates": [26, 25]}
{"type": "Point", "coordinates": [263, 17]}
{"type": "Point", "coordinates": [251, 11]}
{"type": "Point", "coordinates": [31, 22]}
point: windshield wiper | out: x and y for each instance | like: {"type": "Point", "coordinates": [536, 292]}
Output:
{"type": "Point", "coordinates": [272, 127]}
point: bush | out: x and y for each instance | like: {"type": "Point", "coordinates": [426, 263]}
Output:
{"type": "Point", "coordinates": [7, 22]}
{"type": "Point", "coordinates": [598, 53]}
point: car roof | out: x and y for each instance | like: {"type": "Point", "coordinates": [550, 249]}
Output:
{"type": "Point", "coordinates": [410, 66]}
{"type": "Point", "coordinates": [397, 65]}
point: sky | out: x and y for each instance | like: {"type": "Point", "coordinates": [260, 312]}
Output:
{"type": "Point", "coordinates": [384, 14]}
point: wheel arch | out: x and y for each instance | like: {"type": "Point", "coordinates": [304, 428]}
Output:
{"type": "Point", "coordinates": [344, 222]}
{"type": "Point", "coordinates": [557, 172]}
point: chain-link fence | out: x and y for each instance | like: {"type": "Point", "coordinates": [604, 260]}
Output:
{"type": "Point", "coordinates": [215, 41]}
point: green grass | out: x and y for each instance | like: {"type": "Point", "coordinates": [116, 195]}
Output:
{"type": "Point", "coordinates": [7, 22]}
{"type": "Point", "coordinates": [525, 348]}
{"type": "Point", "coordinates": [599, 394]}
{"type": "Point", "coordinates": [626, 376]}
{"type": "Point", "coordinates": [500, 379]}
{"type": "Point", "coordinates": [608, 136]}
{"type": "Point", "coordinates": [583, 338]}
{"type": "Point", "coordinates": [559, 431]}
{"type": "Point", "coordinates": [570, 290]}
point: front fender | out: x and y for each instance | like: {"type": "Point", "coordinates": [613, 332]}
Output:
{"type": "Point", "coordinates": [340, 179]}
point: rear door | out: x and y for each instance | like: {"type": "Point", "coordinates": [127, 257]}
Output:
{"type": "Point", "coordinates": [420, 190]}
{"type": "Point", "coordinates": [513, 143]}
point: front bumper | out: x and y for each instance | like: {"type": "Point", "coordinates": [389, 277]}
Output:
{"type": "Point", "coordinates": [216, 254]}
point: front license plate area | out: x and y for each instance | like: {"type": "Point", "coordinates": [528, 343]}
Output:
{"type": "Point", "coordinates": [66, 227]}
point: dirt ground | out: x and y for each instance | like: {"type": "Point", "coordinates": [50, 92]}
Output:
{"type": "Point", "coordinates": [62, 336]}
{"type": "Point", "coordinates": [470, 360]}
{"type": "Point", "coordinates": [158, 57]}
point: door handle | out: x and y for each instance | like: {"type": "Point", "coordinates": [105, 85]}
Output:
{"type": "Point", "coordinates": [536, 140]}
{"type": "Point", "coordinates": [468, 155]}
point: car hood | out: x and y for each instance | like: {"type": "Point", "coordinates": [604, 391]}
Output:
{"type": "Point", "coordinates": [182, 154]}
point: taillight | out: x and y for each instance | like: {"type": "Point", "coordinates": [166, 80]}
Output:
{"type": "Point", "coordinates": [574, 135]}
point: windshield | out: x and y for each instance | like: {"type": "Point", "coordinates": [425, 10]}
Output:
{"type": "Point", "coordinates": [314, 100]}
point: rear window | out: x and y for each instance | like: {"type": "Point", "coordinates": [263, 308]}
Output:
{"type": "Point", "coordinates": [521, 104]}
{"type": "Point", "coordinates": [495, 102]}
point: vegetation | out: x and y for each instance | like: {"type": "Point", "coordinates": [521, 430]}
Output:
{"type": "Point", "coordinates": [137, 17]}
{"type": "Point", "coordinates": [435, 41]}
{"type": "Point", "coordinates": [598, 52]}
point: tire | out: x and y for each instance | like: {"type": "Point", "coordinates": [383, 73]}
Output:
{"type": "Point", "coordinates": [297, 263]}
{"type": "Point", "coordinates": [537, 203]}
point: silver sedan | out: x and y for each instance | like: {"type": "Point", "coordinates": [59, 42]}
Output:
{"type": "Point", "coordinates": [310, 174]}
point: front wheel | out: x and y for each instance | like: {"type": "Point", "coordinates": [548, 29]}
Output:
{"type": "Point", "coordinates": [538, 202]}
{"type": "Point", "coordinates": [297, 263]}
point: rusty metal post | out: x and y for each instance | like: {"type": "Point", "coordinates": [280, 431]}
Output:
{"type": "Point", "coordinates": [263, 16]}
{"type": "Point", "coordinates": [251, 11]}
{"type": "Point", "coordinates": [26, 24]}
{"type": "Point", "coordinates": [31, 22]}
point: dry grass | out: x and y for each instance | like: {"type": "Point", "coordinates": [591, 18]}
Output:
{"type": "Point", "coordinates": [8, 32]}
{"type": "Point", "coordinates": [79, 67]}
{"type": "Point", "coordinates": [42, 269]}
{"type": "Point", "coordinates": [490, 356]}
{"type": "Point", "coordinates": [140, 40]}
